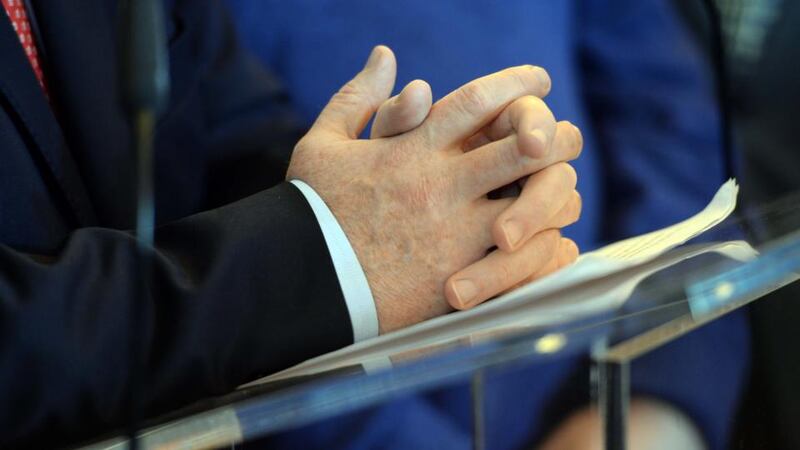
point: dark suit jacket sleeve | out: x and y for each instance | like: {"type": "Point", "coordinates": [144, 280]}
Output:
{"type": "Point", "coordinates": [239, 292]}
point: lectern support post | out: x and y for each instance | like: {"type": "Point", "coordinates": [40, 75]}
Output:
{"type": "Point", "coordinates": [614, 393]}
{"type": "Point", "coordinates": [478, 420]}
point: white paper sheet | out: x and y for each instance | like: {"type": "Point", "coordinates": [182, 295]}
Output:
{"type": "Point", "coordinates": [636, 250]}
{"type": "Point", "coordinates": [596, 265]}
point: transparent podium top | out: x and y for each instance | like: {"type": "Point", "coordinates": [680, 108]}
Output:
{"type": "Point", "coordinates": [616, 318]}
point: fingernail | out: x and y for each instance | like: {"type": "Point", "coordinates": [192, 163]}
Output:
{"type": "Point", "coordinates": [465, 291]}
{"type": "Point", "coordinates": [513, 231]}
{"type": "Point", "coordinates": [541, 137]}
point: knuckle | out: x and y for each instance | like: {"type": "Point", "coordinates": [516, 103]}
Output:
{"type": "Point", "coordinates": [533, 215]}
{"type": "Point", "coordinates": [503, 275]}
{"type": "Point", "coordinates": [567, 252]}
{"type": "Point", "coordinates": [474, 98]}
{"type": "Point", "coordinates": [577, 207]}
{"type": "Point", "coordinates": [544, 245]}
{"type": "Point", "coordinates": [551, 238]}
{"type": "Point", "coordinates": [570, 215]}
{"type": "Point", "coordinates": [574, 140]}
{"type": "Point", "coordinates": [497, 232]}
{"type": "Point", "coordinates": [578, 145]}
{"type": "Point", "coordinates": [541, 209]}
{"type": "Point", "coordinates": [350, 88]}
{"type": "Point", "coordinates": [569, 174]}
{"type": "Point", "coordinates": [508, 154]}
{"type": "Point", "coordinates": [349, 95]}
{"type": "Point", "coordinates": [563, 135]}
{"type": "Point", "coordinates": [569, 141]}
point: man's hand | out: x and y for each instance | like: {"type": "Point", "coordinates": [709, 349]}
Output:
{"type": "Point", "coordinates": [414, 206]}
{"type": "Point", "coordinates": [408, 109]}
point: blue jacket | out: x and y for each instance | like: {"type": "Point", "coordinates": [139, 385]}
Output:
{"type": "Point", "coordinates": [625, 72]}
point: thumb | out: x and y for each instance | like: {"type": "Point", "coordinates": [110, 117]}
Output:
{"type": "Point", "coordinates": [403, 112]}
{"type": "Point", "coordinates": [348, 112]}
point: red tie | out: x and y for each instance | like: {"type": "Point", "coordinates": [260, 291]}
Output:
{"type": "Point", "coordinates": [19, 20]}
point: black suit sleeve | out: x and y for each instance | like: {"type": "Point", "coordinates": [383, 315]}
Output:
{"type": "Point", "coordinates": [239, 292]}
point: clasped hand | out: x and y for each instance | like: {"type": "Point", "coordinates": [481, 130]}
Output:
{"type": "Point", "coordinates": [413, 201]}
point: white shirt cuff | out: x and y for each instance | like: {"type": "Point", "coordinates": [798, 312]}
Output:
{"type": "Point", "coordinates": [352, 280]}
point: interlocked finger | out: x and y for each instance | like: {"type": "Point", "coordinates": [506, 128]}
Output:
{"type": "Point", "coordinates": [569, 214]}
{"type": "Point", "coordinates": [487, 213]}
{"type": "Point", "coordinates": [566, 254]}
{"type": "Point", "coordinates": [548, 200]}
{"type": "Point", "coordinates": [466, 110]}
{"type": "Point", "coordinates": [500, 270]}
{"type": "Point", "coordinates": [500, 163]}
{"type": "Point", "coordinates": [529, 118]}
{"type": "Point", "coordinates": [403, 112]}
